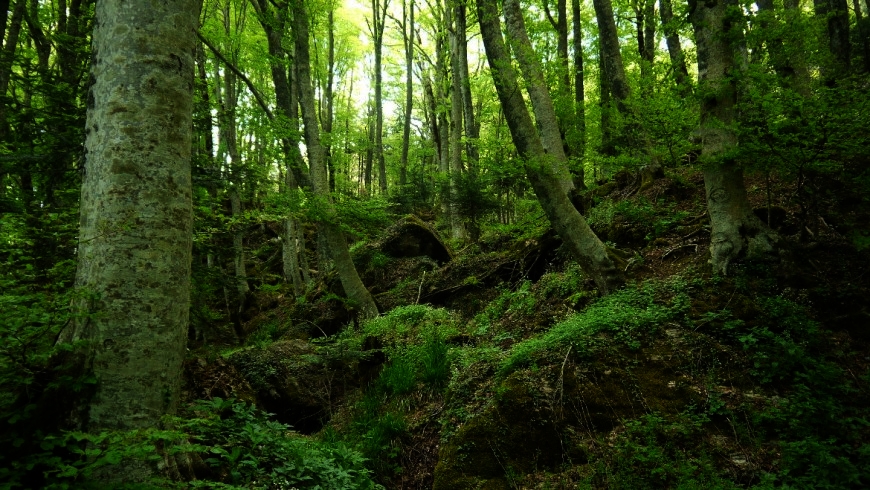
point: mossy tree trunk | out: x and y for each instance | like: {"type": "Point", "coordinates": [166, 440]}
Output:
{"type": "Point", "coordinates": [584, 245]}
{"type": "Point", "coordinates": [542, 102]}
{"type": "Point", "coordinates": [736, 231]}
{"type": "Point", "coordinates": [136, 216]}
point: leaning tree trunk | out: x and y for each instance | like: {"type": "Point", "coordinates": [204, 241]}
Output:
{"type": "Point", "coordinates": [736, 231]}
{"type": "Point", "coordinates": [136, 216]}
{"type": "Point", "coordinates": [584, 245]}
{"type": "Point", "coordinates": [330, 229]}
{"type": "Point", "coordinates": [542, 103]}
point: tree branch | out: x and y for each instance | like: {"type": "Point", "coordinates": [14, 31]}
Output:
{"type": "Point", "coordinates": [232, 68]}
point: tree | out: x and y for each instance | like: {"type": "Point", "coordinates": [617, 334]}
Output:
{"type": "Point", "coordinates": [136, 219]}
{"type": "Point", "coordinates": [579, 136]}
{"type": "Point", "coordinates": [328, 227]}
{"type": "Point", "coordinates": [675, 48]}
{"type": "Point", "coordinates": [542, 103]}
{"type": "Point", "coordinates": [736, 231]}
{"type": "Point", "coordinates": [584, 245]}
{"type": "Point", "coordinates": [376, 29]}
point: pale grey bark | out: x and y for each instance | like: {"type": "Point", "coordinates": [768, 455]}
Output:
{"type": "Point", "coordinates": [329, 227]}
{"type": "Point", "coordinates": [736, 231]}
{"type": "Point", "coordinates": [542, 103]}
{"type": "Point", "coordinates": [376, 29]}
{"type": "Point", "coordinates": [457, 228]}
{"type": "Point", "coordinates": [136, 215]}
{"type": "Point", "coordinates": [584, 245]}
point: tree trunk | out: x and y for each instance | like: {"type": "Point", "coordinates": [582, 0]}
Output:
{"type": "Point", "coordinates": [736, 231]}
{"type": "Point", "coordinates": [675, 49]}
{"type": "Point", "coordinates": [329, 227]}
{"type": "Point", "coordinates": [472, 129]}
{"type": "Point", "coordinates": [542, 103]}
{"type": "Point", "coordinates": [862, 24]}
{"type": "Point", "coordinates": [407, 26]}
{"type": "Point", "coordinates": [379, 14]}
{"type": "Point", "coordinates": [136, 216]}
{"type": "Point", "coordinates": [791, 74]}
{"type": "Point", "coordinates": [457, 227]}
{"type": "Point", "coordinates": [584, 245]}
{"type": "Point", "coordinates": [577, 138]}
{"type": "Point", "coordinates": [835, 13]}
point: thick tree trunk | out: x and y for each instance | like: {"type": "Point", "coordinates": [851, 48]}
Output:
{"type": "Point", "coordinates": [542, 103]}
{"type": "Point", "coordinates": [584, 245]}
{"type": "Point", "coordinates": [329, 228]}
{"type": "Point", "coordinates": [736, 231]}
{"type": "Point", "coordinates": [835, 14]}
{"type": "Point", "coordinates": [136, 216]}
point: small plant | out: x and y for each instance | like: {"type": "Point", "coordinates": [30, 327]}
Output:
{"type": "Point", "coordinates": [252, 451]}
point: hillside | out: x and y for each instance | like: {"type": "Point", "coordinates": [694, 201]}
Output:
{"type": "Point", "coordinates": [499, 366]}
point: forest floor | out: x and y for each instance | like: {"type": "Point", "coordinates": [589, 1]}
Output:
{"type": "Point", "coordinates": [498, 365]}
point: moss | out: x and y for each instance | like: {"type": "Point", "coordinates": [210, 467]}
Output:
{"type": "Point", "coordinates": [516, 434]}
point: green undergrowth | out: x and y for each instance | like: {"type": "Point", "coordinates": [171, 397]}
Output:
{"type": "Point", "coordinates": [243, 447]}
{"type": "Point", "coordinates": [626, 316]}
{"type": "Point", "coordinates": [417, 364]}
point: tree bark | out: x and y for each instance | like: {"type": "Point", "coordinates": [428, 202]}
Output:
{"type": "Point", "coordinates": [675, 49]}
{"type": "Point", "coordinates": [862, 24]}
{"type": "Point", "coordinates": [584, 245]}
{"type": "Point", "coordinates": [407, 26]}
{"type": "Point", "coordinates": [736, 231]}
{"type": "Point", "coordinates": [457, 227]}
{"type": "Point", "coordinates": [542, 103]}
{"type": "Point", "coordinates": [379, 14]}
{"type": "Point", "coordinates": [136, 216]}
{"type": "Point", "coordinates": [329, 228]}
{"type": "Point", "coordinates": [578, 138]}
{"type": "Point", "coordinates": [835, 13]}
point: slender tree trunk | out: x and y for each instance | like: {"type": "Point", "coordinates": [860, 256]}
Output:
{"type": "Point", "coordinates": [407, 26]}
{"type": "Point", "coordinates": [736, 231]}
{"type": "Point", "coordinates": [457, 227]}
{"type": "Point", "coordinates": [379, 14]}
{"type": "Point", "coordinates": [472, 129]}
{"type": "Point", "coordinates": [586, 248]}
{"type": "Point", "coordinates": [542, 103]}
{"type": "Point", "coordinates": [329, 95]}
{"type": "Point", "coordinates": [370, 149]}
{"type": "Point", "coordinates": [675, 49]}
{"type": "Point", "coordinates": [136, 217]}
{"type": "Point", "coordinates": [329, 228]}
{"type": "Point", "coordinates": [441, 94]}
{"type": "Point", "coordinates": [579, 135]}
